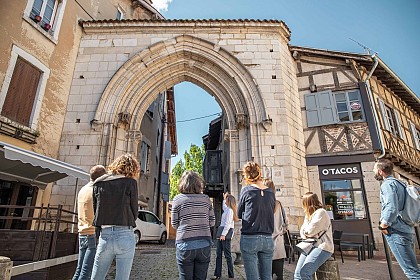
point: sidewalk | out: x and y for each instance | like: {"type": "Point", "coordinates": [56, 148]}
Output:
{"type": "Point", "coordinates": [153, 261]}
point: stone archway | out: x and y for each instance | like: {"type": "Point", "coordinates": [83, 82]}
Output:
{"type": "Point", "coordinates": [245, 64]}
{"type": "Point", "coordinates": [186, 58]}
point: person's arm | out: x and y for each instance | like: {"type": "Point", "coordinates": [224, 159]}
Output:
{"type": "Point", "coordinates": [174, 214]}
{"type": "Point", "coordinates": [212, 218]}
{"type": "Point", "coordinates": [389, 201]}
{"type": "Point", "coordinates": [317, 224]}
{"type": "Point", "coordinates": [134, 203]}
{"type": "Point", "coordinates": [241, 204]}
{"type": "Point", "coordinates": [94, 200]}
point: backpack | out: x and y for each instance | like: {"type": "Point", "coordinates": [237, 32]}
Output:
{"type": "Point", "coordinates": [410, 212]}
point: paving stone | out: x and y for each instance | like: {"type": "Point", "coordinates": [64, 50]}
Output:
{"type": "Point", "coordinates": [153, 261]}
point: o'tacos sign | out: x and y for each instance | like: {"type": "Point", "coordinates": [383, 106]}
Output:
{"type": "Point", "coordinates": [342, 171]}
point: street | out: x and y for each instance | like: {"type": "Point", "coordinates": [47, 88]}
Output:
{"type": "Point", "coordinates": [154, 261]}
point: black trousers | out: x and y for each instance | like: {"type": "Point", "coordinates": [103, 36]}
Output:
{"type": "Point", "coordinates": [278, 268]}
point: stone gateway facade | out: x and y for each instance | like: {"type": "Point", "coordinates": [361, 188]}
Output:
{"type": "Point", "coordinates": [246, 65]}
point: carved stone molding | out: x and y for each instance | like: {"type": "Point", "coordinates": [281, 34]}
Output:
{"type": "Point", "coordinates": [231, 135]}
{"type": "Point", "coordinates": [134, 135]}
{"type": "Point", "coordinates": [242, 121]}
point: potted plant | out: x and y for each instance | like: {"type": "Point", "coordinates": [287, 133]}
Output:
{"type": "Point", "coordinates": [37, 18]}
{"type": "Point", "coordinates": [47, 26]}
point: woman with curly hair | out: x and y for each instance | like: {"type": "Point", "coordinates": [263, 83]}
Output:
{"type": "Point", "coordinates": [115, 204]}
{"type": "Point", "coordinates": [256, 209]}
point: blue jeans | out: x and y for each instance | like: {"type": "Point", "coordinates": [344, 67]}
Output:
{"type": "Point", "coordinates": [87, 250]}
{"type": "Point", "coordinates": [308, 265]}
{"type": "Point", "coordinates": [193, 264]}
{"type": "Point", "coordinates": [223, 246]}
{"type": "Point", "coordinates": [257, 253]}
{"type": "Point", "coordinates": [114, 242]}
{"type": "Point", "coordinates": [402, 247]}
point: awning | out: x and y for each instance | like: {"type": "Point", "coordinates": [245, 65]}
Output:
{"type": "Point", "coordinates": [39, 170]}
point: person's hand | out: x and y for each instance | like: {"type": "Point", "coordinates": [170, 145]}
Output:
{"type": "Point", "coordinates": [384, 228]}
{"type": "Point", "coordinates": [225, 195]}
{"type": "Point", "coordinates": [222, 237]}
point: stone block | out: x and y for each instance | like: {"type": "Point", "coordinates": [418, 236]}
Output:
{"type": "Point", "coordinates": [328, 271]}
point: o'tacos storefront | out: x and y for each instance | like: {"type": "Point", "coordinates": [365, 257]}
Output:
{"type": "Point", "coordinates": [344, 196]}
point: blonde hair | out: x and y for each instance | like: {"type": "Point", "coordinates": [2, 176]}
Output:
{"type": "Point", "coordinates": [251, 172]}
{"type": "Point", "coordinates": [125, 165]}
{"type": "Point", "coordinates": [310, 203]}
{"type": "Point", "coordinates": [231, 203]}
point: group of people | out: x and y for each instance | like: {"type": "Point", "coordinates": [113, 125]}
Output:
{"type": "Point", "coordinates": [108, 206]}
{"type": "Point", "coordinates": [107, 211]}
{"type": "Point", "coordinates": [264, 223]}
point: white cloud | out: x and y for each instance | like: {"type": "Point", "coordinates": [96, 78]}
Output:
{"type": "Point", "coordinates": [161, 5]}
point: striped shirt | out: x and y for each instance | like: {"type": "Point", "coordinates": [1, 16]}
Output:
{"type": "Point", "coordinates": [192, 216]}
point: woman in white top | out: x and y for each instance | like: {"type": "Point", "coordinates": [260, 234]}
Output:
{"type": "Point", "coordinates": [229, 217]}
{"type": "Point", "coordinates": [317, 224]}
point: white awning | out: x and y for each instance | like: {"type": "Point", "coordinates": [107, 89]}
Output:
{"type": "Point", "coordinates": [23, 165]}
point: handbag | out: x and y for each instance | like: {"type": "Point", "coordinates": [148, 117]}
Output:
{"type": "Point", "coordinates": [306, 245]}
{"type": "Point", "coordinates": [228, 235]}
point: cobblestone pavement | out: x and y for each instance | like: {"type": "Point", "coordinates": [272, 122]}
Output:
{"type": "Point", "coordinates": [153, 261]}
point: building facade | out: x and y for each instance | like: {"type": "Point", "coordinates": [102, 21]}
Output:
{"type": "Point", "coordinates": [355, 110]}
{"type": "Point", "coordinates": [38, 50]}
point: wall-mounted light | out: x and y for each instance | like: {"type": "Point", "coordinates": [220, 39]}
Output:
{"type": "Point", "coordinates": [312, 88]}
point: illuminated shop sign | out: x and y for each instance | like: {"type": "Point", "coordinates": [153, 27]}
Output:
{"type": "Point", "coordinates": [340, 171]}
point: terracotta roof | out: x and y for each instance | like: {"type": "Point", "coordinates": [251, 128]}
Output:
{"type": "Point", "coordinates": [275, 21]}
{"type": "Point", "coordinates": [382, 72]}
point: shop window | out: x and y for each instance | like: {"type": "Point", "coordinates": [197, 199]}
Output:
{"type": "Point", "coordinates": [328, 107]}
{"type": "Point", "coordinates": [416, 135]}
{"type": "Point", "coordinates": [390, 119]}
{"type": "Point", "coordinates": [344, 199]}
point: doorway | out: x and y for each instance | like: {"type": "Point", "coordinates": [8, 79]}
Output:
{"type": "Point", "coordinates": [16, 193]}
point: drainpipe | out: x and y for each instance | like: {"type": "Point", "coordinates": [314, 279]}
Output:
{"type": "Point", "coordinates": [372, 102]}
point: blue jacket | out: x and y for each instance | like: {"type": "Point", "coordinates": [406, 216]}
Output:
{"type": "Point", "coordinates": [392, 200]}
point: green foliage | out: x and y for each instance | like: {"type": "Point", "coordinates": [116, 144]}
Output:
{"type": "Point", "coordinates": [193, 160]}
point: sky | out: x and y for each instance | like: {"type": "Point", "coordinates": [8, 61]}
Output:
{"type": "Point", "coordinates": [388, 27]}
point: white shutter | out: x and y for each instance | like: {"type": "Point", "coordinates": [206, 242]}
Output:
{"type": "Point", "coordinates": [398, 124]}
{"type": "Point", "coordinates": [414, 133]}
{"type": "Point", "coordinates": [383, 112]}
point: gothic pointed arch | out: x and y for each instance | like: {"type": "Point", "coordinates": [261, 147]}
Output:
{"type": "Point", "coordinates": [183, 58]}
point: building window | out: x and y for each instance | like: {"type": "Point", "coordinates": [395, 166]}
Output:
{"type": "Point", "coordinates": [120, 13]}
{"type": "Point", "coordinates": [416, 135]}
{"type": "Point", "coordinates": [47, 14]}
{"type": "Point", "coordinates": [145, 157]}
{"type": "Point", "coordinates": [21, 93]}
{"type": "Point", "coordinates": [46, 9]}
{"type": "Point", "coordinates": [349, 106]}
{"type": "Point", "coordinates": [323, 108]}
{"type": "Point", "coordinates": [391, 119]}
{"type": "Point", "coordinates": [23, 88]}
{"type": "Point", "coordinates": [344, 199]}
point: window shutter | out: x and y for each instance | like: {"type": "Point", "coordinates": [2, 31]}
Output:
{"type": "Point", "coordinates": [327, 107]}
{"type": "Point", "coordinates": [397, 119]}
{"type": "Point", "coordinates": [312, 110]}
{"type": "Point", "coordinates": [22, 91]}
{"type": "Point", "coordinates": [383, 113]}
{"type": "Point", "coordinates": [414, 134]}
{"type": "Point", "coordinates": [320, 108]}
